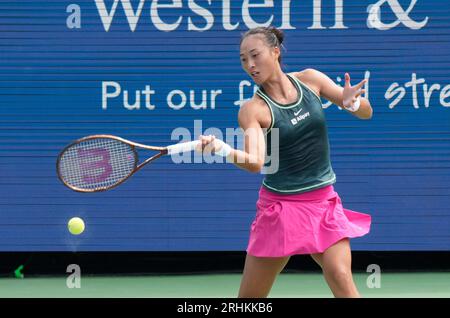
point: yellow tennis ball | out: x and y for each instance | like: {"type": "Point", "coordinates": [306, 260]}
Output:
{"type": "Point", "coordinates": [76, 226]}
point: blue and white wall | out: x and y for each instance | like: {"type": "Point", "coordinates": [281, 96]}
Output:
{"type": "Point", "coordinates": [141, 69]}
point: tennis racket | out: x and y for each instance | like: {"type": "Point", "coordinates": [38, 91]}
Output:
{"type": "Point", "coordinates": [102, 162]}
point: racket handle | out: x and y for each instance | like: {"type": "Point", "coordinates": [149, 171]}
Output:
{"type": "Point", "coordinates": [182, 147]}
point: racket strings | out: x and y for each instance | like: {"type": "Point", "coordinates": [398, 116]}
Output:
{"type": "Point", "coordinates": [98, 163]}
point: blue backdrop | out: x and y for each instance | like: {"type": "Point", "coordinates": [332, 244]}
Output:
{"type": "Point", "coordinates": [61, 66]}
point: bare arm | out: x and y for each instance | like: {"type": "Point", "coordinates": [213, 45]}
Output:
{"type": "Point", "coordinates": [252, 157]}
{"type": "Point", "coordinates": [341, 96]}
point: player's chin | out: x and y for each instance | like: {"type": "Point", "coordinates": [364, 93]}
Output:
{"type": "Point", "coordinates": [257, 79]}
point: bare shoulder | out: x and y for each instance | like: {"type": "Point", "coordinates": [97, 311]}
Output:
{"type": "Point", "coordinates": [254, 112]}
{"type": "Point", "coordinates": [311, 78]}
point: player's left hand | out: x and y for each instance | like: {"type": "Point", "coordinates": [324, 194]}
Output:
{"type": "Point", "coordinates": [351, 93]}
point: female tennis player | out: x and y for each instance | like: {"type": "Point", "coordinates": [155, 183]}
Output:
{"type": "Point", "coordinates": [298, 211]}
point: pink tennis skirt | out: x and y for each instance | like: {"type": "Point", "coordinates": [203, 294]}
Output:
{"type": "Point", "coordinates": [305, 223]}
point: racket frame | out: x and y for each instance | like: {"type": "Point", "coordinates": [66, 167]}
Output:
{"type": "Point", "coordinates": [162, 151]}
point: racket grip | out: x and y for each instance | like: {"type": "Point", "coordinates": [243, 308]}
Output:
{"type": "Point", "coordinates": [182, 147]}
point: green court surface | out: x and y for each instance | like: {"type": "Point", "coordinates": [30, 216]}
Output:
{"type": "Point", "coordinates": [288, 285]}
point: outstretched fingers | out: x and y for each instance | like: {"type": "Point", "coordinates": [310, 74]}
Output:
{"type": "Point", "coordinates": [360, 92]}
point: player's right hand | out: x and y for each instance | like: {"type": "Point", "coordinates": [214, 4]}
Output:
{"type": "Point", "coordinates": [209, 144]}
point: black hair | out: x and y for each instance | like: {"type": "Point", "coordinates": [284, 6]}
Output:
{"type": "Point", "coordinates": [272, 36]}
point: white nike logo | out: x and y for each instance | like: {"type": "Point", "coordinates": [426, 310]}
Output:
{"type": "Point", "coordinates": [296, 113]}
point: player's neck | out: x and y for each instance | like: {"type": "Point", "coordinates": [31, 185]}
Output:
{"type": "Point", "coordinates": [280, 88]}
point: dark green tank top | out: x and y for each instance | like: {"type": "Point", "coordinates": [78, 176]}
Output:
{"type": "Point", "coordinates": [304, 150]}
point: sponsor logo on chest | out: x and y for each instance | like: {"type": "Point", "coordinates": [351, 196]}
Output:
{"type": "Point", "coordinates": [299, 117]}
